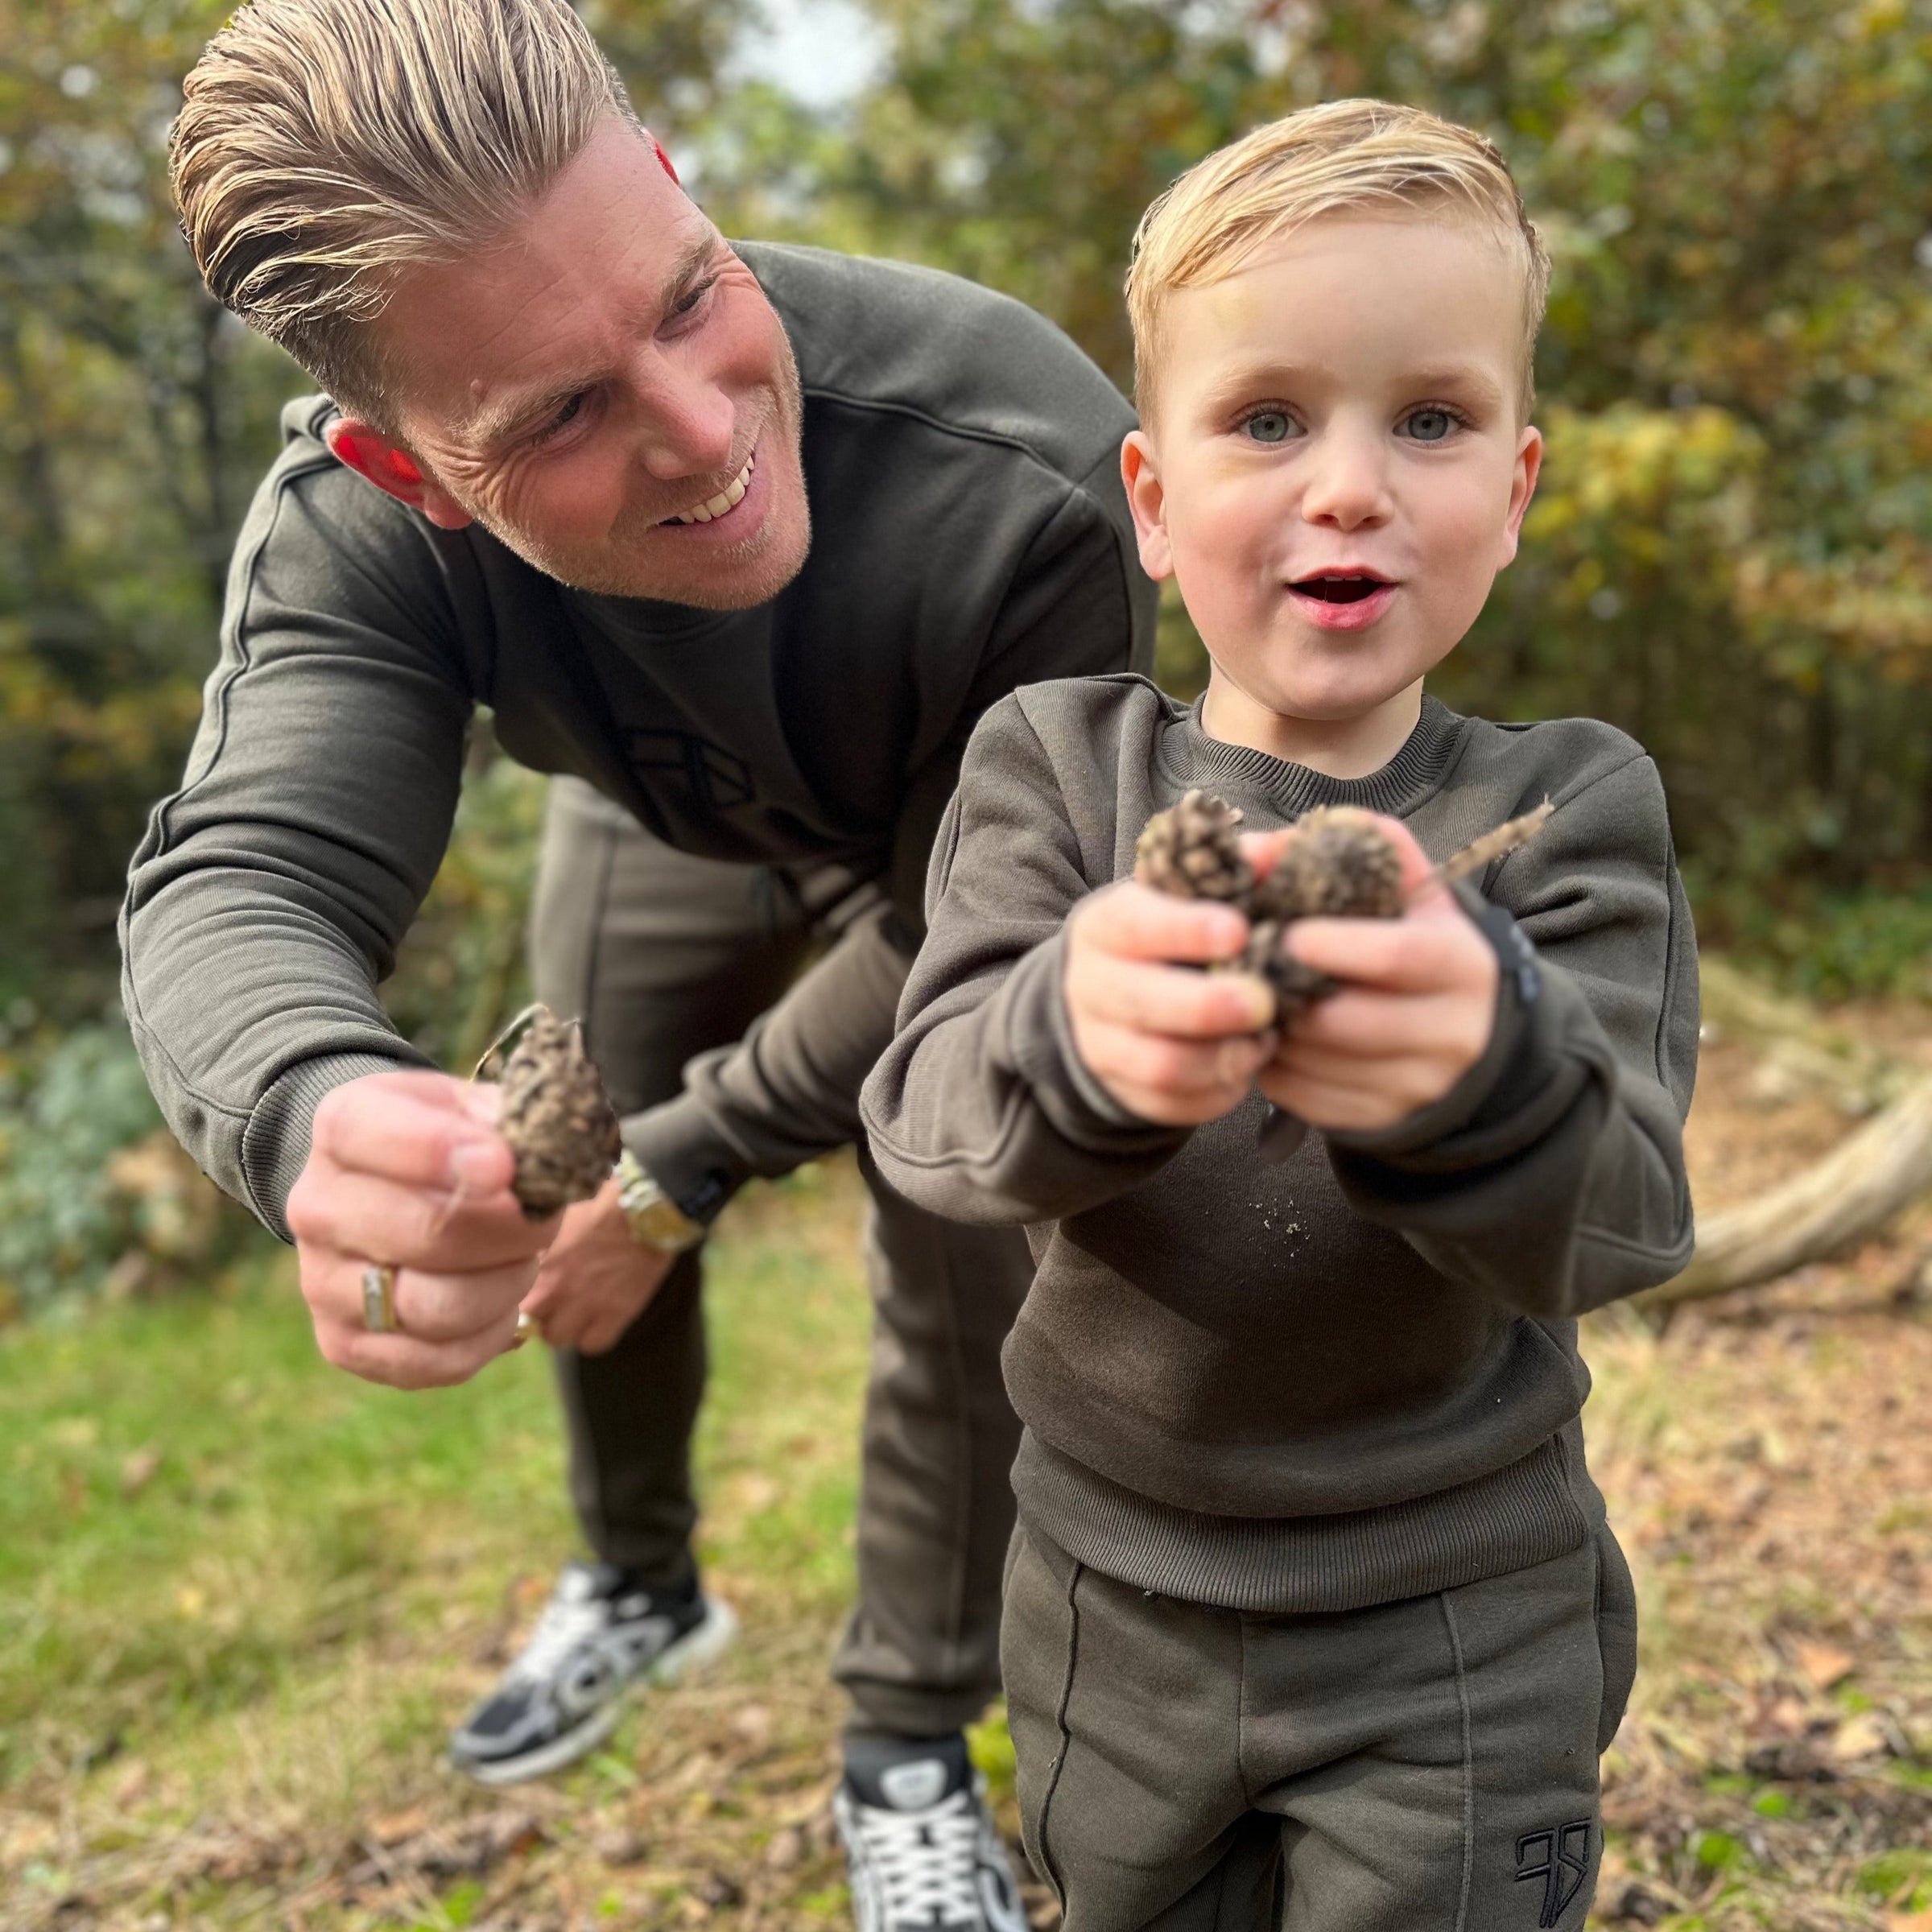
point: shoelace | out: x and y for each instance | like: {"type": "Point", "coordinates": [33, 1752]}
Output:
{"type": "Point", "coordinates": [564, 1625]}
{"type": "Point", "coordinates": [927, 1862]}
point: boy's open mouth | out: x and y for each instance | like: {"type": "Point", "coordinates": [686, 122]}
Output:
{"type": "Point", "coordinates": [1338, 587]}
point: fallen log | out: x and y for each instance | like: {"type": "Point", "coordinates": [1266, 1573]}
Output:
{"type": "Point", "coordinates": [1830, 1207]}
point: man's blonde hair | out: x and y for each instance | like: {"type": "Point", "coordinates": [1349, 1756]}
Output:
{"type": "Point", "coordinates": [1345, 157]}
{"type": "Point", "coordinates": [324, 145]}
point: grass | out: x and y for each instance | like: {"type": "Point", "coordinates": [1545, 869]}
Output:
{"type": "Point", "coordinates": [242, 1597]}
{"type": "Point", "coordinates": [239, 1591]}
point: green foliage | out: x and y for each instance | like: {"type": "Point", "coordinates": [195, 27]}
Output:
{"type": "Point", "coordinates": [64, 1219]}
{"type": "Point", "coordinates": [1731, 552]}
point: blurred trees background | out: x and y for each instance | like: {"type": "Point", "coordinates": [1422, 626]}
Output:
{"type": "Point", "coordinates": [1730, 554]}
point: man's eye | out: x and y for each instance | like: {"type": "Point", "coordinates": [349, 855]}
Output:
{"type": "Point", "coordinates": [562, 420]}
{"type": "Point", "coordinates": [1269, 426]}
{"type": "Point", "coordinates": [1429, 425]}
{"type": "Point", "coordinates": [686, 303]}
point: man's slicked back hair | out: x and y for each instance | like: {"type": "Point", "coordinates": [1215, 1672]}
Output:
{"type": "Point", "coordinates": [1345, 157]}
{"type": "Point", "coordinates": [324, 145]}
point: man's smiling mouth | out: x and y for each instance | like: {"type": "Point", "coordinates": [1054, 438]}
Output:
{"type": "Point", "coordinates": [726, 499]}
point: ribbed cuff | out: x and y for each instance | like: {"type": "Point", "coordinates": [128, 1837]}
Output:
{"type": "Point", "coordinates": [275, 1144]}
{"type": "Point", "coordinates": [1505, 1079]}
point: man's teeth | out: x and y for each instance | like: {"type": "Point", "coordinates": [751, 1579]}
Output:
{"type": "Point", "coordinates": [729, 497]}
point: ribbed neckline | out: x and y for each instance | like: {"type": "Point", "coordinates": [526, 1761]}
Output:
{"type": "Point", "coordinates": [648, 621]}
{"type": "Point", "coordinates": [1191, 757]}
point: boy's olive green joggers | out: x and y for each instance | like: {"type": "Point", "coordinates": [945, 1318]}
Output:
{"type": "Point", "coordinates": [1428, 1766]}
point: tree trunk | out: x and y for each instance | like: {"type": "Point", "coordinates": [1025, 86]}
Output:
{"type": "Point", "coordinates": [1832, 1206]}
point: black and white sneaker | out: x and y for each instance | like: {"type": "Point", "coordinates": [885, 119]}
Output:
{"type": "Point", "coordinates": [598, 1634]}
{"type": "Point", "coordinates": [921, 1851]}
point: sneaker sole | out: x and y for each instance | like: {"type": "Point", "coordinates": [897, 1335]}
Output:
{"type": "Point", "coordinates": [696, 1648]}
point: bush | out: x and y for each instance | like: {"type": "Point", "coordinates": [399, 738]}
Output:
{"type": "Point", "coordinates": [93, 1189]}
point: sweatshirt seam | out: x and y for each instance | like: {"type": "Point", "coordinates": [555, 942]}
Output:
{"type": "Point", "coordinates": [302, 467]}
{"type": "Point", "coordinates": [970, 432]}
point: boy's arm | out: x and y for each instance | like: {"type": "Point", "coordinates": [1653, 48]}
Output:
{"type": "Point", "coordinates": [1552, 1176]}
{"type": "Point", "coordinates": [980, 1109]}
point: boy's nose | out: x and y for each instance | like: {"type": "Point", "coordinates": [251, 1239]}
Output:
{"type": "Point", "coordinates": [1348, 489]}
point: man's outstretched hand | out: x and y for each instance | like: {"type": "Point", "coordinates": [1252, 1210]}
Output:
{"type": "Point", "coordinates": [407, 1169]}
{"type": "Point", "coordinates": [596, 1279]}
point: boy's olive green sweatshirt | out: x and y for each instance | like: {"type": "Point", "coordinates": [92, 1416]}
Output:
{"type": "Point", "coordinates": [1353, 1376]}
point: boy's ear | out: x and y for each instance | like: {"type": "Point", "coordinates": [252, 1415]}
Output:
{"type": "Point", "coordinates": [1147, 501]}
{"type": "Point", "coordinates": [1522, 487]}
{"type": "Point", "coordinates": [393, 470]}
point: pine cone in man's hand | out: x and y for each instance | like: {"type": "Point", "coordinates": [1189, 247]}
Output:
{"type": "Point", "coordinates": [556, 1117]}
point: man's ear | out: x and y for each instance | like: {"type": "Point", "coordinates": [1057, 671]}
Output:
{"type": "Point", "coordinates": [1147, 501]}
{"type": "Point", "coordinates": [1522, 487]}
{"type": "Point", "coordinates": [372, 457]}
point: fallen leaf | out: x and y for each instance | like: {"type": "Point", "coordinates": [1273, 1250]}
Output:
{"type": "Point", "coordinates": [1859, 1737]}
{"type": "Point", "coordinates": [138, 1471]}
{"type": "Point", "coordinates": [1824, 1665]}
{"type": "Point", "coordinates": [392, 1827]}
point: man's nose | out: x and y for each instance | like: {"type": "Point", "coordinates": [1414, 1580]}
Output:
{"type": "Point", "coordinates": [688, 423]}
{"type": "Point", "coordinates": [1348, 485]}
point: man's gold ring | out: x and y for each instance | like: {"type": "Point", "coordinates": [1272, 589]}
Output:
{"type": "Point", "coordinates": [527, 1327]}
{"type": "Point", "coordinates": [379, 1299]}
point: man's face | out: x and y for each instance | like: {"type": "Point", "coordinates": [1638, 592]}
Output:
{"type": "Point", "coordinates": [1334, 470]}
{"type": "Point", "coordinates": [608, 392]}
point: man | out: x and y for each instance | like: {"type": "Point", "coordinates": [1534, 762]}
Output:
{"type": "Point", "coordinates": [739, 543]}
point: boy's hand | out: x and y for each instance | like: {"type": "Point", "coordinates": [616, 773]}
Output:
{"type": "Point", "coordinates": [1178, 1046]}
{"type": "Point", "coordinates": [1415, 1012]}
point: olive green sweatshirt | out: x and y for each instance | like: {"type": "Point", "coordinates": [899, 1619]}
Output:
{"type": "Point", "coordinates": [1352, 1376]}
{"type": "Point", "coordinates": [961, 459]}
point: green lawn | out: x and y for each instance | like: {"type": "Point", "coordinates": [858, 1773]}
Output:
{"type": "Point", "coordinates": [239, 1591]}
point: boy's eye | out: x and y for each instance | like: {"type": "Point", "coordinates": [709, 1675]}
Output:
{"type": "Point", "coordinates": [1429, 425]}
{"type": "Point", "coordinates": [1269, 426]}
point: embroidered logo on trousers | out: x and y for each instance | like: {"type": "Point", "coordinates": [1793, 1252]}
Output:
{"type": "Point", "coordinates": [1561, 1859]}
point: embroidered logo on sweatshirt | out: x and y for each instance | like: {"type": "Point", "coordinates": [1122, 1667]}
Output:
{"type": "Point", "coordinates": [716, 776]}
{"type": "Point", "coordinates": [1561, 1859]}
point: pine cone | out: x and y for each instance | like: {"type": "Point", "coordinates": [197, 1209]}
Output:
{"type": "Point", "coordinates": [556, 1118]}
{"type": "Point", "coordinates": [1295, 986]}
{"type": "Point", "coordinates": [1339, 864]}
{"type": "Point", "coordinates": [1192, 851]}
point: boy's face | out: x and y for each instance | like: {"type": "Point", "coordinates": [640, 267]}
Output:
{"type": "Point", "coordinates": [1334, 470]}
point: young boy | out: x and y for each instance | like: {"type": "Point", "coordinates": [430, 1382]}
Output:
{"type": "Point", "coordinates": [1312, 1619]}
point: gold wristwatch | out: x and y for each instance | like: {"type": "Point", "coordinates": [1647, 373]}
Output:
{"type": "Point", "coordinates": [656, 1220]}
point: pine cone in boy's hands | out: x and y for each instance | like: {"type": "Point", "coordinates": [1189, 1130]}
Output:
{"type": "Point", "coordinates": [1337, 864]}
{"type": "Point", "coordinates": [1295, 986]}
{"type": "Point", "coordinates": [556, 1118]}
{"type": "Point", "coordinates": [1193, 851]}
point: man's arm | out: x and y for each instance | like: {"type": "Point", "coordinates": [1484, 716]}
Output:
{"type": "Point", "coordinates": [272, 889]}
{"type": "Point", "coordinates": [1552, 1176]}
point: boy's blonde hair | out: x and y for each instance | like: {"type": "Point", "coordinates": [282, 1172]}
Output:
{"type": "Point", "coordinates": [323, 145]}
{"type": "Point", "coordinates": [1344, 157]}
